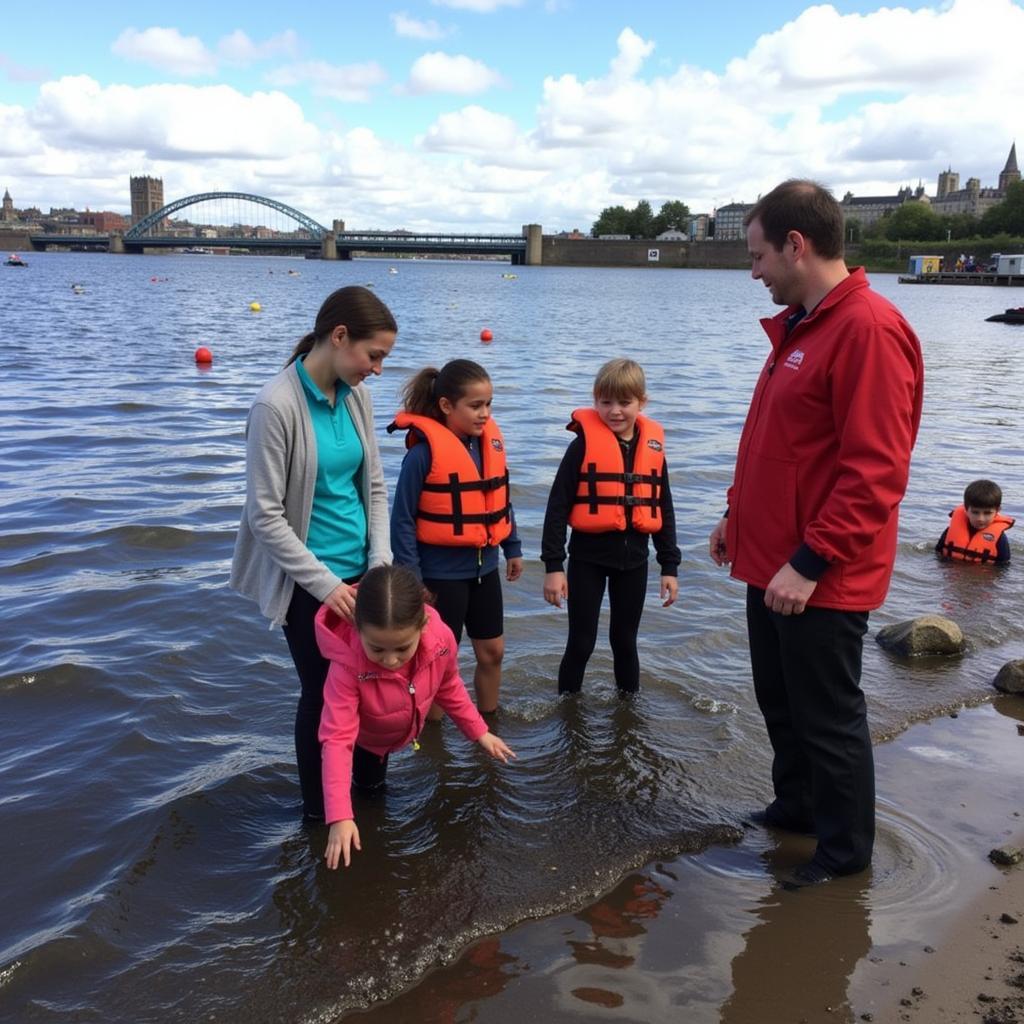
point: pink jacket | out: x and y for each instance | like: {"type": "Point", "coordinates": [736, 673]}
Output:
{"type": "Point", "coordinates": [379, 709]}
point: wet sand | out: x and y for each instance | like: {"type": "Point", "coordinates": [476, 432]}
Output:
{"type": "Point", "coordinates": [715, 937]}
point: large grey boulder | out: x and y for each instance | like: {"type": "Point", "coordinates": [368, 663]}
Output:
{"type": "Point", "coordinates": [927, 634]}
{"type": "Point", "coordinates": [1010, 678]}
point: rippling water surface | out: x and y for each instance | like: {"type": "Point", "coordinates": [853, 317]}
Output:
{"type": "Point", "coordinates": [154, 866]}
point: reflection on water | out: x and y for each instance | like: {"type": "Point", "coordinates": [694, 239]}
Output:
{"type": "Point", "coordinates": [798, 959]}
{"type": "Point", "coordinates": [146, 774]}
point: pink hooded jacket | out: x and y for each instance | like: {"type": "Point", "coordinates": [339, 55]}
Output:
{"type": "Point", "coordinates": [379, 709]}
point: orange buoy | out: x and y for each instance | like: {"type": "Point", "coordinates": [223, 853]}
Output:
{"type": "Point", "coordinates": [204, 355]}
{"type": "Point", "coordinates": [485, 335]}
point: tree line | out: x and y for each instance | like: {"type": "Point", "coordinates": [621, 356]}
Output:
{"type": "Point", "coordinates": [642, 221]}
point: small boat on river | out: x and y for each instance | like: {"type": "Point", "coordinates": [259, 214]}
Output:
{"type": "Point", "coordinates": [1011, 316]}
{"type": "Point", "coordinates": [14, 260]}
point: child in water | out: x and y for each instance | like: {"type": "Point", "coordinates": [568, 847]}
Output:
{"type": "Point", "coordinates": [386, 670]}
{"type": "Point", "coordinates": [612, 489]}
{"type": "Point", "coordinates": [452, 509]}
{"type": "Point", "coordinates": [977, 529]}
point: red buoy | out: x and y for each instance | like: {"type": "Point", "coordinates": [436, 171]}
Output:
{"type": "Point", "coordinates": [204, 355]}
{"type": "Point", "coordinates": [485, 335]}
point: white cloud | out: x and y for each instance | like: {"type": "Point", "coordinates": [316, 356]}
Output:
{"type": "Point", "coordinates": [238, 48]}
{"type": "Point", "coordinates": [479, 6]}
{"type": "Point", "coordinates": [351, 83]}
{"type": "Point", "coordinates": [166, 49]}
{"type": "Point", "coordinates": [853, 100]}
{"type": "Point", "coordinates": [412, 28]}
{"type": "Point", "coordinates": [442, 72]}
{"type": "Point", "coordinates": [173, 122]}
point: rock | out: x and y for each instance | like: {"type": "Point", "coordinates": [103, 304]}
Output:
{"type": "Point", "coordinates": [927, 634]}
{"type": "Point", "coordinates": [1010, 678]}
{"type": "Point", "coordinates": [1005, 855]}
{"type": "Point", "coordinates": [1007, 918]}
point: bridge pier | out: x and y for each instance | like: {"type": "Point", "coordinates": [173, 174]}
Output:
{"type": "Point", "coordinates": [534, 242]}
{"type": "Point", "coordinates": [329, 248]}
{"type": "Point", "coordinates": [115, 244]}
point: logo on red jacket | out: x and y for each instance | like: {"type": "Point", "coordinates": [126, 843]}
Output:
{"type": "Point", "coordinates": [794, 359]}
{"type": "Point", "coordinates": [989, 536]}
{"type": "Point", "coordinates": [654, 444]}
{"type": "Point", "coordinates": [497, 445]}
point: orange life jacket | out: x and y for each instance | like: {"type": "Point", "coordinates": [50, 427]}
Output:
{"type": "Point", "coordinates": [979, 547]}
{"type": "Point", "coordinates": [460, 506]}
{"type": "Point", "coordinates": [605, 490]}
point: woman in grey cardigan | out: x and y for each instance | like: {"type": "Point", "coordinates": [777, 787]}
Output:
{"type": "Point", "coordinates": [315, 515]}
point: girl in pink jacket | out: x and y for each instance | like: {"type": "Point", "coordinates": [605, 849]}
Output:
{"type": "Point", "coordinates": [386, 671]}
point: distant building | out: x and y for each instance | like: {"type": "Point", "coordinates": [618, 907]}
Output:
{"type": "Point", "coordinates": [673, 235]}
{"type": "Point", "coordinates": [7, 210]}
{"type": "Point", "coordinates": [729, 222]}
{"type": "Point", "coordinates": [867, 209]}
{"type": "Point", "coordinates": [103, 221]}
{"type": "Point", "coordinates": [699, 226]}
{"type": "Point", "coordinates": [147, 196]}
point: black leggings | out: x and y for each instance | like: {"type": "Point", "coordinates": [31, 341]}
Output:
{"type": "Point", "coordinates": [312, 668]}
{"type": "Point", "coordinates": [627, 589]}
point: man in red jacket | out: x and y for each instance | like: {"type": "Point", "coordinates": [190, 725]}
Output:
{"type": "Point", "coordinates": [811, 520]}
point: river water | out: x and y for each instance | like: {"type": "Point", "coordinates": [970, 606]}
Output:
{"type": "Point", "coordinates": [154, 864]}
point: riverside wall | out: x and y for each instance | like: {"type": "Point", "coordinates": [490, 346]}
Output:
{"type": "Point", "coordinates": [594, 252]}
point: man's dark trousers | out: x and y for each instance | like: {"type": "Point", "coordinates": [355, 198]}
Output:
{"type": "Point", "coordinates": [806, 671]}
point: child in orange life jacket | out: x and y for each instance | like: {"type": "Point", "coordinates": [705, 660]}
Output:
{"type": "Point", "coordinates": [452, 509]}
{"type": "Point", "coordinates": [386, 670]}
{"type": "Point", "coordinates": [612, 489]}
{"type": "Point", "coordinates": [977, 530]}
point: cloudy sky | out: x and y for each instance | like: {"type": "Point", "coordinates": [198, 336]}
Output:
{"type": "Point", "coordinates": [484, 115]}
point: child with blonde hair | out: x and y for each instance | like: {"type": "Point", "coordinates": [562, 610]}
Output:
{"type": "Point", "coordinates": [612, 489]}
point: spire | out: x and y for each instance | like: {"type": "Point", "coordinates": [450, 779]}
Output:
{"type": "Point", "coordinates": [1011, 161]}
{"type": "Point", "coordinates": [1010, 172]}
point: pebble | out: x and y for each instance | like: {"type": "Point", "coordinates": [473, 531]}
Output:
{"type": "Point", "coordinates": [1007, 918]}
{"type": "Point", "coordinates": [1005, 855]}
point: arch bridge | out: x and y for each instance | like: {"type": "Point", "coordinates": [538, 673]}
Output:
{"type": "Point", "coordinates": [300, 233]}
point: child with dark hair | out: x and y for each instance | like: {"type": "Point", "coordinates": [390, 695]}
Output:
{"type": "Point", "coordinates": [453, 509]}
{"type": "Point", "coordinates": [386, 670]}
{"type": "Point", "coordinates": [977, 529]}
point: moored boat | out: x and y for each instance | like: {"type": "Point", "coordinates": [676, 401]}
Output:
{"type": "Point", "coordinates": [1011, 316]}
{"type": "Point", "coordinates": [14, 260]}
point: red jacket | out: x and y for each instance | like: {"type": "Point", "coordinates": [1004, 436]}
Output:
{"type": "Point", "coordinates": [379, 709]}
{"type": "Point", "coordinates": [825, 452]}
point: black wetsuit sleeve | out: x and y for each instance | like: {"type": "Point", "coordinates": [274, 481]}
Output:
{"type": "Point", "coordinates": [665, 547]}
{"type": "Point", "coordinates": [560, 500]}
{"type": "Point", "coordinates": [942, 539]}
{"type": "Point", "coordinates": [1002, 549]}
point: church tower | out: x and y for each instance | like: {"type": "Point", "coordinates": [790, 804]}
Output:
{"type": "Point", "coordinates": [1009, 173]}
{"type": "Point", "coordinates": [7, 211]}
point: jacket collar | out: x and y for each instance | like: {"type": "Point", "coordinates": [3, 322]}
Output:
{"type": "Point", "coordinates": [775, 326]}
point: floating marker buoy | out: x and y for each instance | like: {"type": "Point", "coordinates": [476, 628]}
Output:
{"type": "Point", "coordinates": [152, 280]}
{"type": "Point", "coordinates": [255, 307]}
{"type": "Point", "coordinates": [485, 335]}
{"type": "Point", "coordinates": [204, 355]}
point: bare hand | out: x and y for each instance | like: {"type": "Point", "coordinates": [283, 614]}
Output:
{"type": "Point", "coordinates": [513, 569]}
{"type": "Point", "coordinates": [496, 747]}
{"type": "Point", "coordinates": [340, 839]}
{"type": "Point", "coordinates": [788, 592]}
{"type": "Point", "coordinates": [342, 601]}
{"type": "Point", "coordinates": [669, 590]}
{"type": "Point", "coordinates": [716, 543]}
{"type": "Point", "coordinates": [555, 588]}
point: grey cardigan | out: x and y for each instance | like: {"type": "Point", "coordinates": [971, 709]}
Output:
{"type": "Point", "coordinates": [280, 474]}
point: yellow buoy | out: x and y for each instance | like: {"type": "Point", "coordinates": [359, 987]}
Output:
{"type": "Point", "coordinates": [255, 307]}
